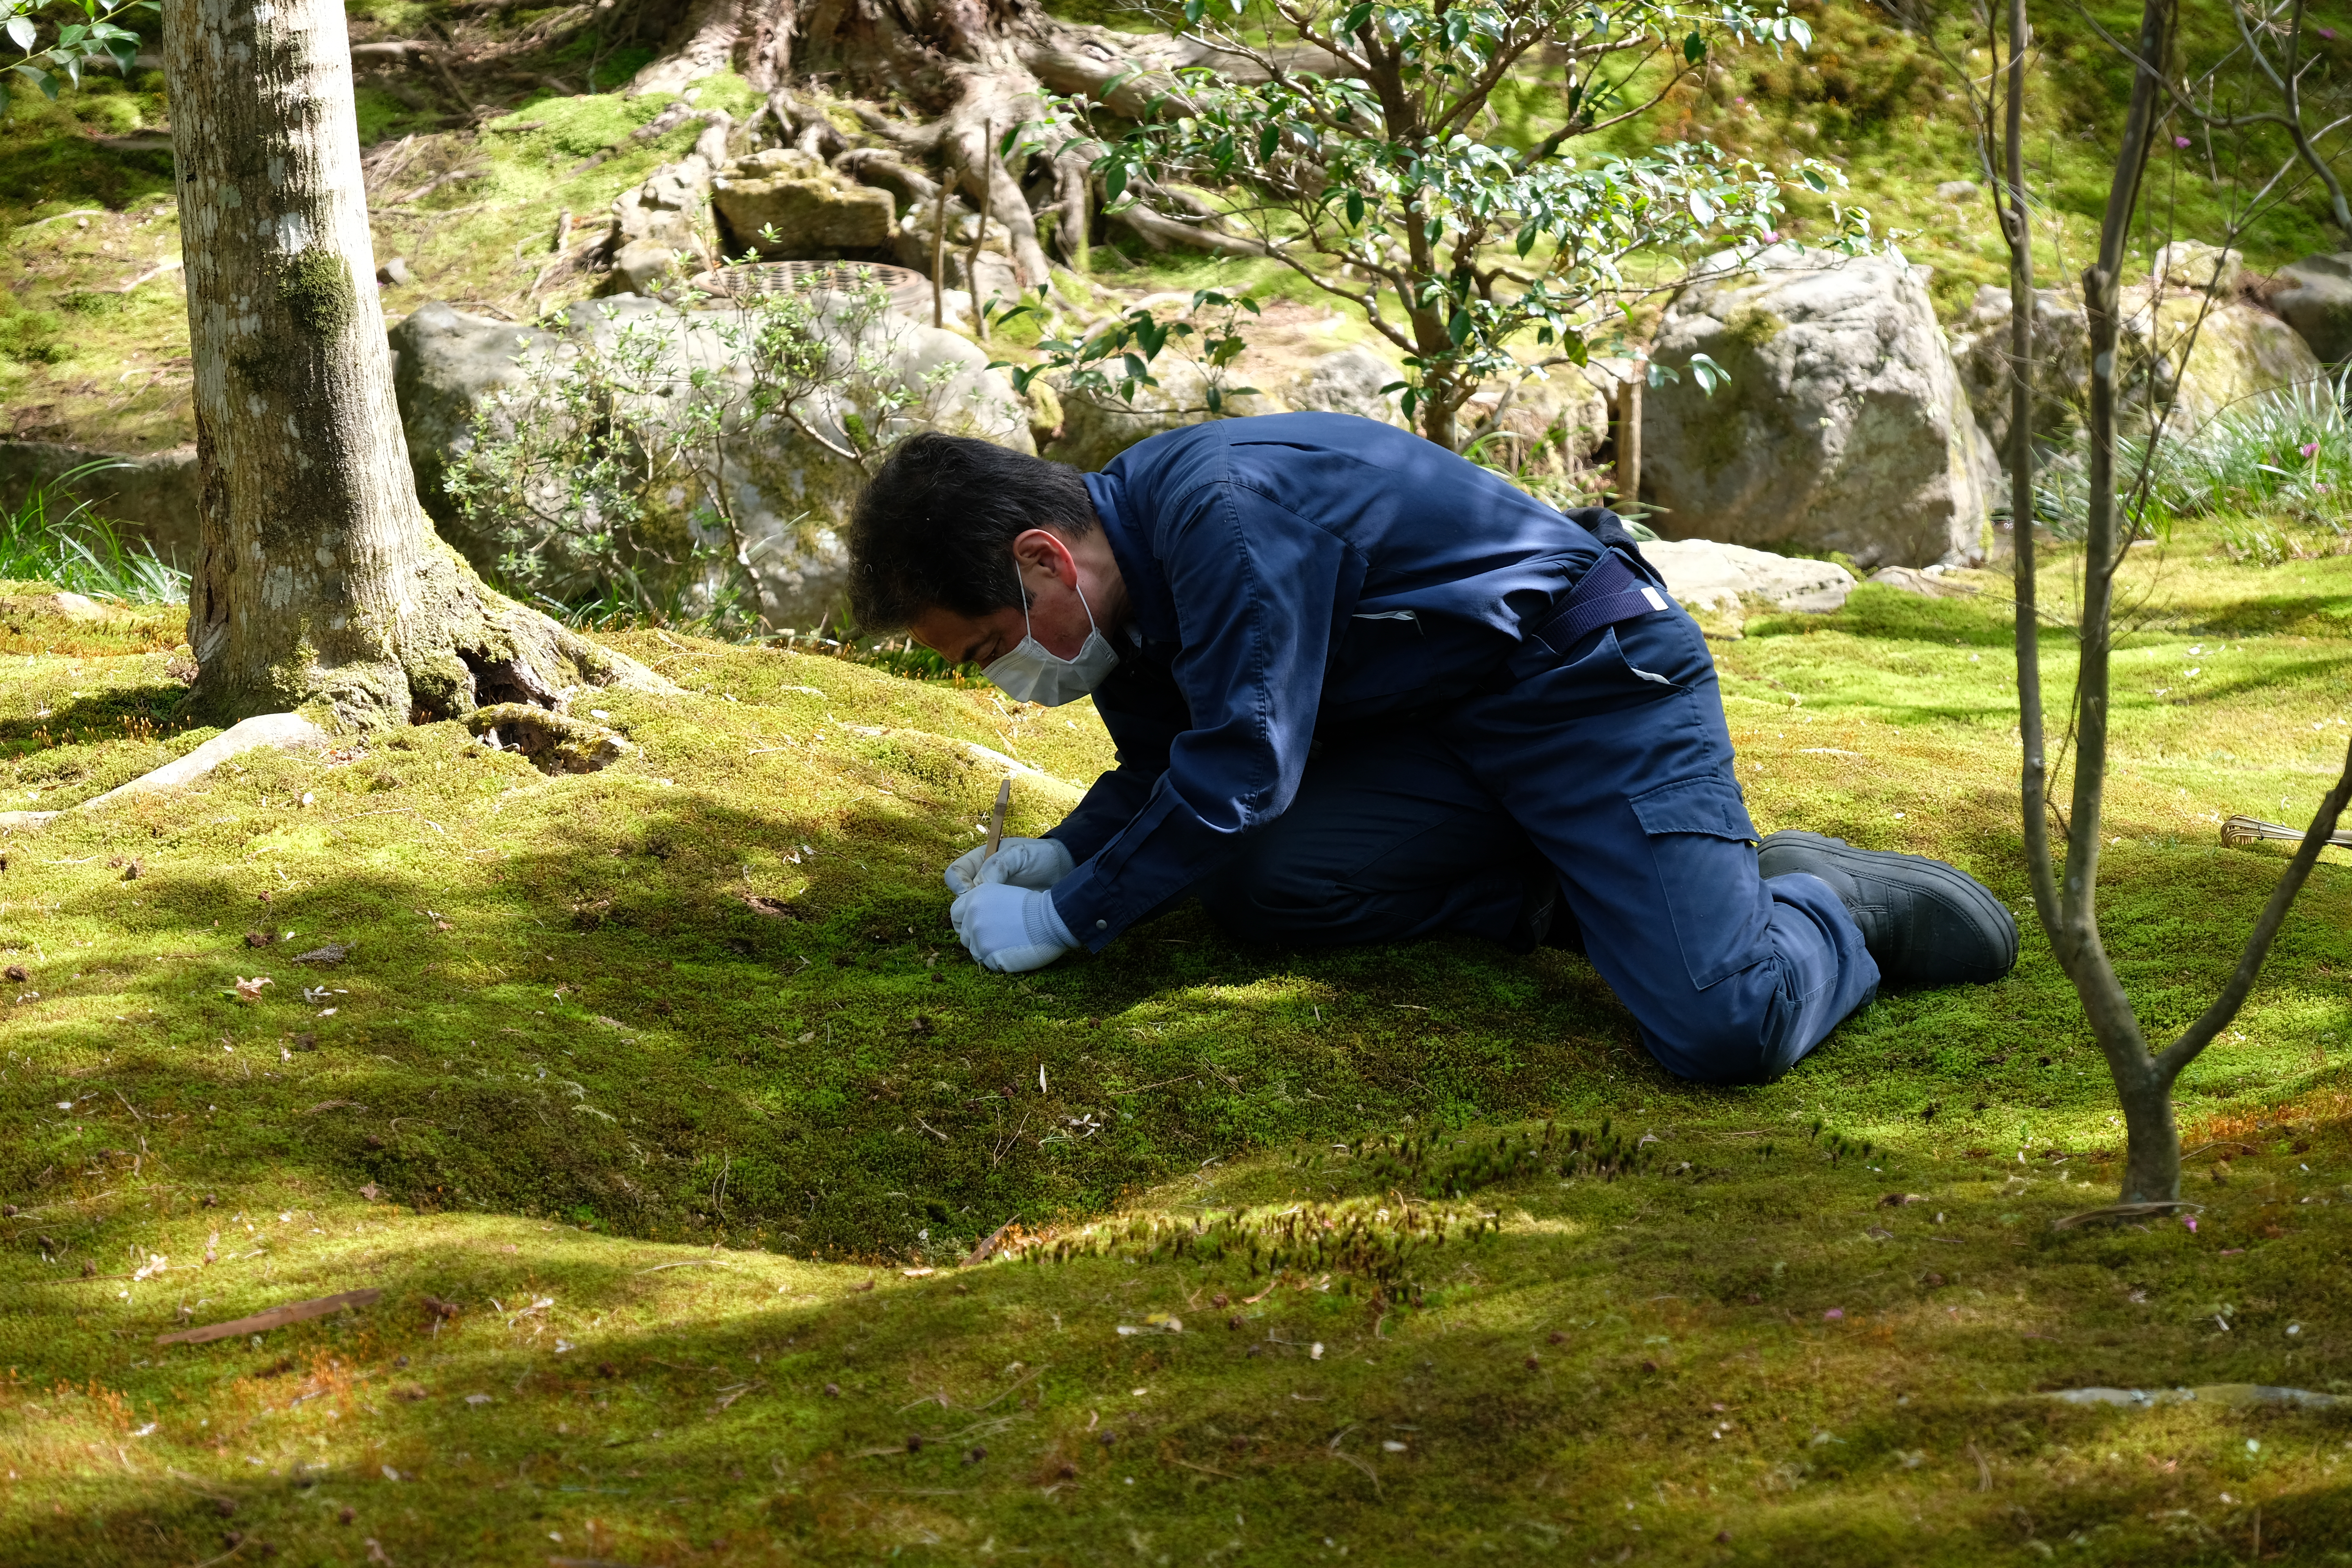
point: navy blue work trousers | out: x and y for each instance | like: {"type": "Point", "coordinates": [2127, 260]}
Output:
{"type": "Point", "coordinates": [1609, 766]}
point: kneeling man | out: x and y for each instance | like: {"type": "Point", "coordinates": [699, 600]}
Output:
{"type": "Point", "coordinates": [1364, 691]}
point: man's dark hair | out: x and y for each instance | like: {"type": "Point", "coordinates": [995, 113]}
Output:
{"type": "Point", "coordinates": [932, 528]}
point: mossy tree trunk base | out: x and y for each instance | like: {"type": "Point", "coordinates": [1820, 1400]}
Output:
{"type": "Point", "coordinates": [319, 585]}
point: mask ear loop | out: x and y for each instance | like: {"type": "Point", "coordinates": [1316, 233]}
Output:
{"type": "Point", "coordinates": [1029, 632]}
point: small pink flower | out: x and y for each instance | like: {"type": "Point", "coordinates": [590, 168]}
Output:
{"type": "Point", "coordinates": [2327, 33]}
{"type": "Point", "coordinates": [1739, 100]}
{"type": "Point", "coordinates": [1834, 1314]}
{"type": "Point", "coordinates": [2311, 448]}
{"type": "Point", "coordinates": [2180, 142]}
{"type": "Point", "coordinates": [1771, 236]}
{"type": "Point", "coordinates": [2190, 1221]}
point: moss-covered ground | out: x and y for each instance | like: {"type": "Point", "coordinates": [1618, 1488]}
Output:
{"type": "Point", "coordinates": [661, 1107]}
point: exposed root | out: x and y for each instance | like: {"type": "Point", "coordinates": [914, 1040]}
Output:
{"type": "Point", "coordinates": [2122, 1213]}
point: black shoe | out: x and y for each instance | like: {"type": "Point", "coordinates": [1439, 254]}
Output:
{"type": "Point", "coordinates": [1926, 923]}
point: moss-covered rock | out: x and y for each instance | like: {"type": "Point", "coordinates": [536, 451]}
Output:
{"type": "Point", "coordinates": [1844, 425]}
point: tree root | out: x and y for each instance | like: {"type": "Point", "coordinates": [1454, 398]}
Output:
{"type": "Point", "coordinates": [2122, 1213]}
{"type": "Point", "coordinates": [554, 743]}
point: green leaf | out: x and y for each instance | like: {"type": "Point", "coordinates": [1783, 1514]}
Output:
{"type": "Point", "coordinates": [1268, 140]}
{"type": "Point", "coordinates": [1356, 18]}
{"type": "Point", "coordinates": [1457, 327]}
{"type": "Point", "coordinates": [1813, 178]}
{"type": "Point", "coordinates": [1355, 208]}
{"type": "Point", "coordinates": [1193, 11]}
{"type": "Point", "coordinates": [1693, 49]}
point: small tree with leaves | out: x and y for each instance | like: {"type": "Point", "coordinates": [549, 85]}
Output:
{"type": "Point", "coordinates": [87, 34]}
{"type": "Point", "coordinates": [2257, 93]}
{"type": "Point", "coordinates": [1367, 161]}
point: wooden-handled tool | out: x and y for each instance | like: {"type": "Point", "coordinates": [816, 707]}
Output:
{"type": "Point", "coordinates": [2240, 830]}
{"type": "Point", "coordinates": [996, 818]}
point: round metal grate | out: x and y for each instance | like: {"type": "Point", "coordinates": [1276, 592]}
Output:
{"type": "Point", "coordinates": [906, 287]}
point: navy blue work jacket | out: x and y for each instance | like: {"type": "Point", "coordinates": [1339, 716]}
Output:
{"type": "Point", "coordinates": [1288, 574]}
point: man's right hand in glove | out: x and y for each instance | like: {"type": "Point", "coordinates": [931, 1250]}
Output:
{"type": "Point", "coordinates": [1033, 863]}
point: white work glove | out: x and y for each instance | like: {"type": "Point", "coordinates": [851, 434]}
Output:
{"type": "Point", "coordinates": [1010, 929]}
{"type": "Point", "coordinates": [1023, 862]}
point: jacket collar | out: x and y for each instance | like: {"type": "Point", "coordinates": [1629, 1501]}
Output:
{"type": "Point", "coordinates": [1148, 599]}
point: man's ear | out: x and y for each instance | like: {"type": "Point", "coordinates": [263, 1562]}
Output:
{"type": "Point", "coordinates": [1043, 550]}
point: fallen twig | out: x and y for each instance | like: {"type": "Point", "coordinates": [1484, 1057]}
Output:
{"type": "Point", "coordinates": [981, 1254]}
{"type": "Point", "coordinates": [2117, 1213]}
{"type": "Point", "coordinates": [689, 1263]}
{"type": "Point", "coordinates": [276, 1318]}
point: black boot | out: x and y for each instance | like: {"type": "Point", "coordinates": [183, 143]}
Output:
{"type": "Point", "coordinates": [1926, 923]}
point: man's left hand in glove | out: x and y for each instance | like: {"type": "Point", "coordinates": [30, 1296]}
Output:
{"type": "Point", "coordinates": [1010, 929]}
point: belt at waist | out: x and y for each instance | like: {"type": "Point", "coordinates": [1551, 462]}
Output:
{"type": "Point", "coordinates": [1608, 593]}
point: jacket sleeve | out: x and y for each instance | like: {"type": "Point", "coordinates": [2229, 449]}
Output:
{"type": "Point", "coordinates": [1257, 590]}
{"type": "Point", "coordinates": [1144, 711]}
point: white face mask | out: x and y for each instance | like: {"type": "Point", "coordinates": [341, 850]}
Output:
{"type": "Point", "coordinates": [1034, 673]}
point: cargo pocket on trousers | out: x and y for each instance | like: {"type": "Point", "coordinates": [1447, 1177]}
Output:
{"type": "Point", "coordinates": [1700, 837]}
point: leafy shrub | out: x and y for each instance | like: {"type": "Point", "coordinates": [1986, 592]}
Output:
{"type": "Point", "coordinates": [2287, 455]}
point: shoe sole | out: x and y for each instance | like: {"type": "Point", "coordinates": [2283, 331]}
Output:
{"type": "Point", "coordinates": [1960, 890]}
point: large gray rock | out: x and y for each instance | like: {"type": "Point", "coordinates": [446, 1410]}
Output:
{"type": "Point", "coordinates": [2186, 352]}
{"type": "Point", "coordinates": [2203, 268]}
{"type": "Point", "coordinates": [814, 213]}
{"type": "Point", "coordinates": [1844, 425]}
{"type": "Point", "coordinates": [2203, 356]}
{"type": "Point", "coordinates": [1713, 577]}
{"type": "Point", "coordinates": [444, 363]}
{"type": "Point", "coordinates": [2314, 296]}
{"type": "Point", "coordinates": [1097, 425]}
{"type": "Point", "coordinates": [791, 493]}
{"type": "Point", "coordinates": [1348, 381]}
{"type": "Point", "coordinates": [2061, 347]}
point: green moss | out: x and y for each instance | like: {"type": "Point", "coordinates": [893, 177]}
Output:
{"type": "Point", "coordinates": [1751, 327]}
{"type": "Point", "coordinates": [646, 1045]}
{"type": "Point", "coordinates": [728, 91]}
{"type": "Point", "coordinates": [316, 285]}
{"type": "Point", "coordinates": [32, 337]}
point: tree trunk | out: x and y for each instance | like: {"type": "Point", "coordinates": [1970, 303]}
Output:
{"type": "Point", "coordinates": [319, 582]}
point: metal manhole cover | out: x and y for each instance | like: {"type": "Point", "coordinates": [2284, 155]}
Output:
{"type": "Point", "coordinates": [906, 287]}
